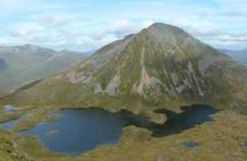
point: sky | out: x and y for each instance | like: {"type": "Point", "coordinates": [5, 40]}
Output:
{"type": "Point", "coordinates": [86, 25]}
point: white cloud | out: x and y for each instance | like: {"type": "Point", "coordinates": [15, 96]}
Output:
{"type": "Point", "coordinates": [52, 25]}
{"type": "Point", "coordinates": [25, 29]}
{"type": "Point", "coordinates": [6, 41]}
{"type": "Point", "coordinates": [58, 19]}
{"type": "Point", "coordinates": [62, 30]}
{"type": "Point", "coordinates": [233, 37]}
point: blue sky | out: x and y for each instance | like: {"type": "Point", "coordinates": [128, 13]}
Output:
{"type": "Point", "coordinates": [85, 25]}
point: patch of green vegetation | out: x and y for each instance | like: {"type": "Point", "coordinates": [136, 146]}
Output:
{"type": "Point", "coordinates": [8, 117]}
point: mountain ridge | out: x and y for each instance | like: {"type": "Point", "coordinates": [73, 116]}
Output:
{"type": "Point", "coordinates": [23, 64]}
{"type": "Point", "coordinates": [160, 66]}
{"type": "Point", "coordinates": [238, 55]}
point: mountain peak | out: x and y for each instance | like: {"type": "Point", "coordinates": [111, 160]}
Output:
{"type": "Point", "coordinates": [29, 47]}
{"type": "Point", "coordinates": [166, 33]}
{"type": "Point", "coordinates": [161, 27]}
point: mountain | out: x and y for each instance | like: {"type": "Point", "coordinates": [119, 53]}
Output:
{"type": "Point", "coordinates": [161, 66]}
{"type": "Point", "coordinates": [20, 65]}
{"type": "Point", "coordinates": [3, 64]}
{"type": "Point", "coordinates": [240, 56]}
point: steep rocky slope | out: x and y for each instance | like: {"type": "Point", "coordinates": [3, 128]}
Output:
{"type": "Point", "coordinates": [160, 66]}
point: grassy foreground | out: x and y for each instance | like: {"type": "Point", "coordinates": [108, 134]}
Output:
{"type": "Point", "coordinates": [224, 139]}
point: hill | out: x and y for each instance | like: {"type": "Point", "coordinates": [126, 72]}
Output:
{"type": "Point", "coordinates": [20, 65]}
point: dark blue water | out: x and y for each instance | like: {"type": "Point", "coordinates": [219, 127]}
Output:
{"type": "Point", "coordinates": [188, 118]}
{"type": "Point", "coordinates": [79, 130]}
{"type": "Point", "coordinates": [75, 131]}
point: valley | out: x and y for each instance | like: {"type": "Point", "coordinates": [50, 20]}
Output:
{"type": "Point", "coordinates": [240, 56]}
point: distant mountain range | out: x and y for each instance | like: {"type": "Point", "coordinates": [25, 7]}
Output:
{"type": "Point", "coordinates": [20, 65]}
{"type": "Point", "coordinates": [240, 55]}
{"type": "Point", "coordinates": [161, 66]}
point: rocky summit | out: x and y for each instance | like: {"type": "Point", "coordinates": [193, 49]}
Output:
{"type": "Point", "coordinates": [160, 65]}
